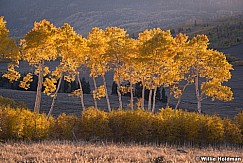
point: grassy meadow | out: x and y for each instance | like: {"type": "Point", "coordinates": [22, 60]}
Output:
{"type": "Point", "coordinates": [64, 151]}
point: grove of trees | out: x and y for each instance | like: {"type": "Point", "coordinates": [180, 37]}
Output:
{"type": "Point", "coordinates": [155, 59]}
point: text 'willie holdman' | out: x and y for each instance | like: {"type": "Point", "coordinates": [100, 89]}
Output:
{"type": "Point", "coordinates": [219, 158]}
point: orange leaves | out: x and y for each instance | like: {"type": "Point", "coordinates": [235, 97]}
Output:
{"type": "Point", "coordinates": [216, 90]}
{"type": "Point", "coordinates": [8, 48]}
{"type": "Point", "coordinates": [50, 86]}
{"type": "Point", "coordinates": [26, 81]}
{"type": "Point", "coordinates": [99, 92]}
{"type": "Point", "coordinates": [156, 58]}
{"type": "Point", "coordinates": [12, 74]}
{"type": "Point", "coordinates": [197, 61]}
{"type": "Point", "coordinates": [39, 43]}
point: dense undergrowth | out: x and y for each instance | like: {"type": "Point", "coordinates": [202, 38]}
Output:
{"type": "Point", "coordinates": [170, 126]}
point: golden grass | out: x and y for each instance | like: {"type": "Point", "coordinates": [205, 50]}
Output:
{"type": "Point", "coordinates": [86, 152]}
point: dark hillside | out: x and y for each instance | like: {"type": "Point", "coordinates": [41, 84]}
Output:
{"type": "Point", "coordinates": [134, 15]}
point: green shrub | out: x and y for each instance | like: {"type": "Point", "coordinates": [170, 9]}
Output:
{"type": "Point", "coordinates": [177, 126]}
{"type": "Point", "coordinates": [23, 124]}
{"type": "Point", "coordinates": [172, 126]}
{"type": "Point", "coordinates": [36, 126]}
{"type": "Point", "coordinates": [94, 123]}
{"type": "Point", "coordinates": [8, 102]}
{"type": "Point", "coordinates": [63, 127]}
{"type": "Point", "coordinates": [11, 124]}
{"type": "Point", "coordinates": [239, 121]}
{"type": "Point", "coordinates": [215, 129]}
{"type": "Point", "coordinates": [232, 134]}
{"type": "Point", "coordinates": [165, 126]}
{"type": "Point", "coordinates": [131, 125]}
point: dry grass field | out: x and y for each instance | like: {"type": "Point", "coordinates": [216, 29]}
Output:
{"type": "Point", "coordinates": [84, 152]}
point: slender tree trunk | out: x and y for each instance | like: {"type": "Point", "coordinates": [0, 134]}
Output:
{"type": "Point", "coordinates": [106, 94]}
{"type": "Point", "coordinates": [131, 100]}
{"type": "Point", "coordinates": [95, 85]}
{"type": "Point", "coordinates": [119, 94]}
{"type": "Point", "coordinates": [179, 100]}
{"type": "Point", "coordinates": [168, 100]}
{"type": "Point", "coordinates": [39, 88]}
{"type": "Point", "coordinates": [150, 99]}
{"type": "Point", "coordinates": [143, 95]}
{"type": "Point", "coordinates": [199, 101]}
{"type": "Point", "coordinates": [154, 99]}
{"type": "Point", "coordinates": [54, 98]}
{"type": "Point", "coordinates": [81, 93]}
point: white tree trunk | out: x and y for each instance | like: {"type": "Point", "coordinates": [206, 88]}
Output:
{"type": "Point", "coordinates": [143, 95]}
{"type": "Point", "coordinates": [81, 93]}
{"type": "Point", "coordinates": [54, 98]}
{"type": "Point", "coordinates": [39, 87]}
{"type": "Point", "coordinates": [95, 85]}
{"type": "Point", "coordinates": [178, 102]}
{"type": "Point", "coordinates": [168, 100]}
{"type": "Point", "coordinates": [154, 99]}
{"type": "Point", "coordinates": [119, 94]}
{"type": "Point", "coordinates": [199, 101]}
{"type": "Point", "coordinates": [131, 100]}
{"type": "Point", "coordinates": [106, 94]}
{"type": "Point", "coordinates": [150, 99]}
{"type": "Point", "coordinates": [179, 99]}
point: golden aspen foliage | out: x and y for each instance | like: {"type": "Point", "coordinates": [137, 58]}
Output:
{"type": "Point", "coordinates": [99, 92]}
{"type": "Point", "coordinates": [50, 86]}
{"type": "Point", "coordinates": [39, 43]}
{"type": "Point", "coordinates": [73, 52]}
{"type": "Point", "coordinates": [26, 81]}
{"type": "Point", "coordinates": [156, 48]}
{"type": "Point", "coordinates": [98, 44]}
{"type": "Point", "coordinates": [12, 74]}
{"type": "Point", "coordinates": [205, 68]}
{"type": "Point", "coordinates": [216, 90]}
{"type": "Point", "coordinates": [9, 51]}
{"type": "Point", "coordinates": [72, 47]}
{"type": "Point", "coordinates": [8, 48]}
{"type": "Point", "coordinates": [76, 92]}
{"type": "Point", "coordinates": [129, 68]}
{"type": "Point", "coordinates": [38, 47]}
{"type": "Point", "coordinates": [116, 54]}
{"type": "Point", "coordinates": [69, 78]}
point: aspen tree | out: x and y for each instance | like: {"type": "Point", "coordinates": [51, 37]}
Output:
{"type": "Point", "coordinates": [9, 51]}
{"type": "Point", "coordinates": [8, 48]}
{"type": "Point", "coordinates": [157, 46]}
{"type": "Point", "coordinates": [38, 47]}
{"type": "Point", "coordinates": [116, 54]}
{"type": "Point", "coordinates": [180, 69]}
{"type": "Point", "coordinates": [73, 52]}
{"type": "Point", "coordinates": [98, 64]}
{"type": "Point", "coordinates": [208, 69]}
{"type": "Point", "coordinates": [97, 44]}
{"type": "Point", "coordinates": [129, 68]}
